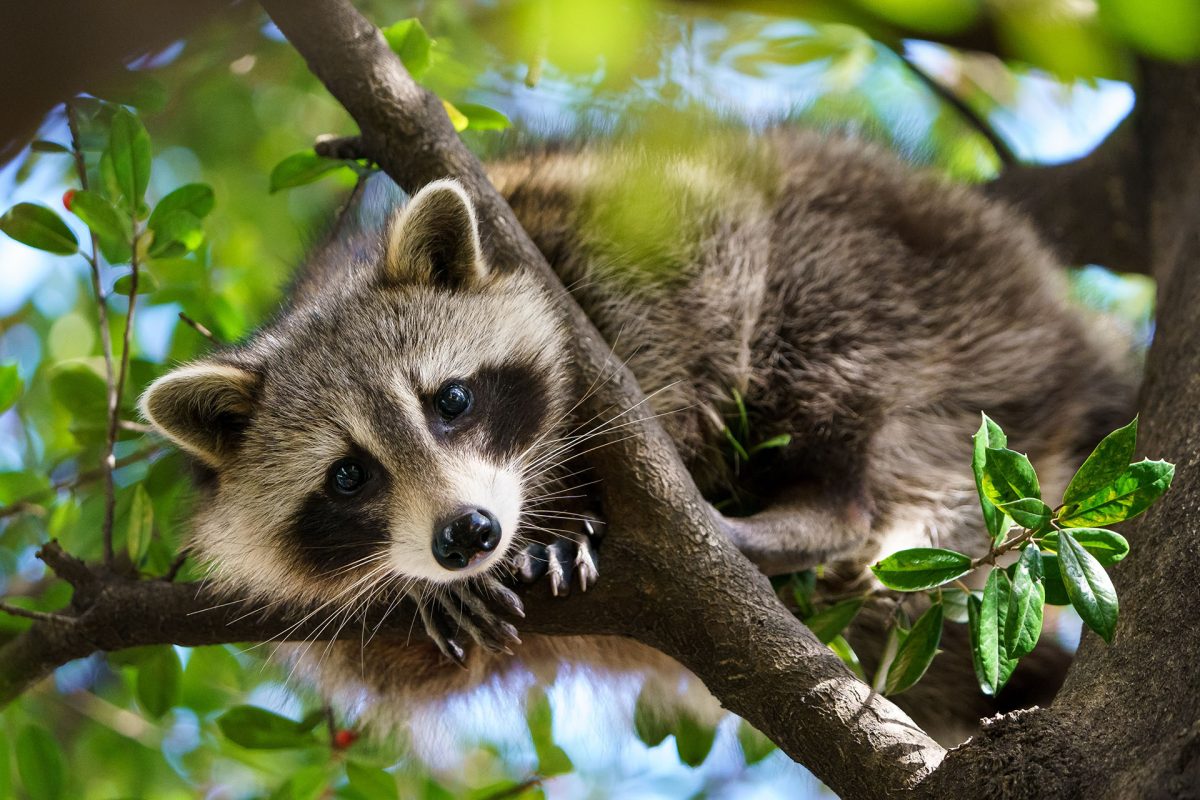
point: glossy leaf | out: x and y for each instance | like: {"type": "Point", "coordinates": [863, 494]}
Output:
{"type": "Point", "coordinates": [302, 168]}
{"type": "Point", "coordinates": [258, 729]}
{"type": "Point", "coordinates": [916, 651]}
{"type": "Point", "coordinates": [986, 617]}
{"type": "Point", "coordinates": [845, 652]}
{"type": "Point", "coordinates": [954, 604]}
{"type": "Point", "coordinates": [147, 283]}
{"type": "Point", "coordinates": [44, 146]}
{"type": "Point", "coordinates": [650, 724]}
{"type": "Point", "coordinates": [1027, 597]}
{"type": "Point", "coordinates": [457, 118]}
{"type": "Point", "coordinates": [158, 681]}
{"type": "Point", "coordinates": [1108, 547]}
{"type": "Point", "coordinates": [408, 39]}
{"type": "Point", "coordinates": [988, 435]}
{"type": "Point", "coordinates": [1028, 512]}
{"type": "Point", "coordinates": [372, 781]}
{"type": "Point", "coordinates": [1008, 476]}
{"type": "Point", "coordinates": [195, 198]}
{"type": "Point", "coordinates": [829, 622]}
{"type": "Point", "coordinates": [1088, 585]}
{"type": "Point", "coordinates": [175, 233]}
{"type": "Point", "coordinates": [40, 228]}
{"type": "Point", "coordinates": [1056, 592]}
{"type": "Point", "coordinates": [921, 568]}
{"type": "Point", "coordinates": [1110, 458]}
{"type": "Point", "coordinates": [1129, 494]}
{"type": "Point", "coordinates": [129, 151]}
{"type": "Point", "coordinates": [113, 228]}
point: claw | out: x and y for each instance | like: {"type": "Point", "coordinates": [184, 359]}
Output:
{"type": "Point", "coordinates": [585, 563]}
{"type": "Point", "coordinates": [557, 559]}
{"type": "Point", "coordinates": [505, 597]}
{"type": "Point", "coordinates": [530, 563]}
{"type": "Point", "coordinates": [447, 645]}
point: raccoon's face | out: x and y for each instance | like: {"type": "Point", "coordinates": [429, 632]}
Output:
{"type": "Point", "coordinates": [390, 428]}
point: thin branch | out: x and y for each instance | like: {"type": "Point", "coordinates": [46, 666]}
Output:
{"type": "Point", "coordinates": [40, 616]}
{"type": "Point", "coordinates": [67, 566]}
{"type": "Point", "coordinates": [31, 503]}
{"type": "Point", "coordinates": [200, 329]}
{"type": "Point", "coordinates": [347, 147]}
{"type": "Point", "coordinates": [969, 115]}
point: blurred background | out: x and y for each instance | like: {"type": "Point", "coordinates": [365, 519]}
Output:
{"type": "Point", "coordinates": [232, 106]}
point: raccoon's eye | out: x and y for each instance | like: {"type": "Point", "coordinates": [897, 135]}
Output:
{"type": "Point", "coordinates": [452, 400]}
{"type": "Point", "coordinates": [348, 476]}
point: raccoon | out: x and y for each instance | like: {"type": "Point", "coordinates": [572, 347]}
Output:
{"type": "Point", "coordinates": [400, 428]}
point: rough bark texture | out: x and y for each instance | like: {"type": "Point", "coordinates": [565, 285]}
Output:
{"type": "Point", "coordinates": [1125, 725]}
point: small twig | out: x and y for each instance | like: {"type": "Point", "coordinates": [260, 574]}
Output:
{"type": "Point", "coordinates": [40, 616]}
{"type": "Point", "coordinates": [200, 329]}
{"type": "Point", "coordinates": [1004, 547]}
{"type": "Point", "coordinates": [30, 504]}
{"type": "Point", "coordinates": [969, 115]}
{"type": "Point", "coordinates": [176, 565]}
{"type": "Point", "coordinates": [65, 565]}
{"type": "Point", "coordinates": [136, 427]}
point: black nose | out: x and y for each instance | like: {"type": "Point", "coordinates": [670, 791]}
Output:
{"type": "Point", "coordinates": [465, 537]}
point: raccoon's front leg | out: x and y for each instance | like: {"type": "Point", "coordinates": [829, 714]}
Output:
{"type": "Point", "coordinates": [566, 559]}
{"type": "Point", "coordinates": [800, 530]}
{"type": "Point", "coordinates": [450, 611]}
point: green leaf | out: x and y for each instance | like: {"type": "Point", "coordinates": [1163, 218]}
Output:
{"type": "Point", "coordinates": [1104, 465]}
{"type": "Point", "coordinates": [954, 603]}
{"type": "Point", "coordinates": [10, 386]}
{"type": "Point", "coordinates": [80, 389]}
{"type": "Point", "coordinates": [829, 622]}
{"type": "Point", "coordinates": [129, 150]}
{"type": "Point", "coordinates": [755, 746]}
{"type": "Point", "coordinates": [158, 681]}
{"type": "Point", "coordinates": [43, 146]}
{"type": "Point", "coordinates": [457, 118]}
{"type": "Point", "coordinates": [539, 717]}
{"type": "Point", "coordinates": [1026, 599]}
{"type": "Point", "coordinates": [147, 283]}
{"type": "Point", "coordinates": [553, 760]}
{"type": "Point", "coordinates": [1008, 476]}
{"type": "Point", "coordinates": [259, 729]}
{"type": "Point", "coordinates": [372, 781]}
{"type": "Point", "coordinates": [988, 435]}
{"type": "Point", "coordinates": [846, 653]}
{"type": "Point", "coordinates": [408, 39]}
{"type": "Point", "coordinates": [40, 762]}
{"type": "Point", "coordinates": [1108, 547]}
{"type": "Point", "coordinates": [1028, 512]}
{"type": "Point", "coordinates": [1129, 494]}
{"type": "Point", "coordinates": [986, 618]}
{"type": "Point", "coordinates": [141, 525]}
{"type": "Point", "coordinates": [483, 118]}
{"type": "Point", "coordinates": [782, 440]}
{"type": "Point", "coordinates": [650, 724]}
{"type": "Point", "coordinates": [195, 198]}
{"type": "Point", "coordinates": [175, 233]}
{"type": "Point", "coordinates": [113, 228]}
{"type": "Point", "coordinates": [1056, 592]}
{"type": "Point", "coordinates": [1088, 585]}
{"type": "Point", "coordinates": [40, 228]}
{"type": "Point", "coordinates": [302, 168]}
{"type": "Point", "coordinates": [737, 446]}
{"type": "Point", "coordinates": [921, 568]}
{"type": "Point", "coordinates": [693, 740]}
{"type": "Point", "coordinates": [916, 652]}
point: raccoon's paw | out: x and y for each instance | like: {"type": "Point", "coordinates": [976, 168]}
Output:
{"type": "Point", "coordinates": [564, 561]}
{"type": "Point", "coordinates": [458, 609]}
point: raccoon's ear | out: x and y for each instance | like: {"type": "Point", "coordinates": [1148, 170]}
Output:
{"type": "Point", "coordinates": [203, 408]}
{"type": "Point", "coordinates": [435, 239]}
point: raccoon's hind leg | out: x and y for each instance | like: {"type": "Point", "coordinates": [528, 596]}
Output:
{"type": "Point", "coordinates": [801, 529]}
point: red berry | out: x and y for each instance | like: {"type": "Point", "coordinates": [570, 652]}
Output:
{"type": "Point", "coordinates": [68, 196]}
{"type": "Point", "coordinates": [344, 738]}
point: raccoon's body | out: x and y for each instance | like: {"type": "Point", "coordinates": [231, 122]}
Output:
{"type": "Point", "coordinates": [783, 286]}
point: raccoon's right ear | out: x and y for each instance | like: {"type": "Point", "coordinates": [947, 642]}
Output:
{"type": "Point", "coordinates": [435, 239]}
{"type": "Point", "coordinates": [203, 408]}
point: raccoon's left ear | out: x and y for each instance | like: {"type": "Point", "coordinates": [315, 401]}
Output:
{"type": "Point", "coordinates": [435, 240]}
{"type": "Point", "coordinates": [204, 408]}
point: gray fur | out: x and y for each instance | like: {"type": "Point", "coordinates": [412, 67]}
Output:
{"type": "Point", "coordinates": [867, 311]}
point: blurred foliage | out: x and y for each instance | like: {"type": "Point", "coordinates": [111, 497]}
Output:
{"type": "Point", "coordinates": [232, 115]}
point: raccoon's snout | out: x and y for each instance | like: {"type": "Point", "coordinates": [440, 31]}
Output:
{"type": "Point", "coordinates": [466, 538]}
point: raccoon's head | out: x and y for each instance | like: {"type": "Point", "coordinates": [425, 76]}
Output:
{"type": "Point", "coordinates": [388, 426]}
